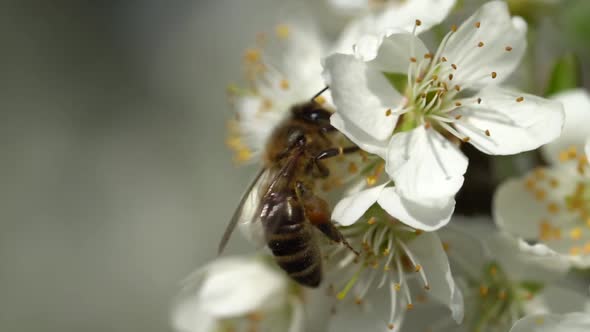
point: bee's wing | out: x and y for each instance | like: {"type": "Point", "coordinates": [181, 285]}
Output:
{"type": "Point", "coordinates": [248, 211]}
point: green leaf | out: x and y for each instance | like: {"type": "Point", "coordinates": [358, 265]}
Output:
{"type": "Point", "coordinates": [565, 75]}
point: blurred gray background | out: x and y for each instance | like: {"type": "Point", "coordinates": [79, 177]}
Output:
{"type": "Point", "coordinates": [115, 179]}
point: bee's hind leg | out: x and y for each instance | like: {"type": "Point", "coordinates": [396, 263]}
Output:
{"type": "Point", "coordinates": [317, 212]}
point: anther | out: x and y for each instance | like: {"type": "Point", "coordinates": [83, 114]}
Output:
{"type": "Point", "coordinates": [479, 100]}
{"type": "Point", "coordinates": [284, 84]}
{"type": "Point", "coordinates": [451, 77]}
{"type": "Point", "coordinates": [397, 287]}
{"type": "Point", "coordinates": [454, 28]}
{"type": "Point", "coordinates": [282, 31]}
{"type": "Point", "coordinates": [483, 290]}
{"type": "Point", "coordinates": [435, 77]}
{"type": "Point", "coordinates": [443, 59]}
{"type": "Point", "coordinates": [454, 66]}
{"type": "Point", "coordinates": [466, 139]}
{"type": "Point", "coordinates": [459, 116]}
{"type": "Point", "coordinates": [418, 23]}
{"type": "Point", "coordinates": [494, 74]}
{"type": "Point", "coordinates": [457, 87]}
{"type": "Point", "coordinates": [553, 208]}
{"type": "Point", "coordinates": [388, 112]}
{"type": "Point", "coordinates": [410, 306]}
{"type": "Point", "coordinates": [508, 48]}
{"type": "Point", "coordinates": [371, 221]}
{"type": "Point", "coordinates": [480, 44]}
{"type": "Point", "coordinates": [418, 268]}
{"type": "Point", "coordinates": [390, 326]}
{"type": "Point", "coordinates": [457, 103]}
{"type": "Point", "coordinates": [576, 233]}
{"type": "Point", "coordinates": [320, 100]}
{"type": "Point", "coordinates": [427, 125]}
{"type": "Point", "coordinates": [413, 59]}
{"type": "Point", "coordinates": [488, 132]}
{"type": "Point", "coordinates": [428, 56]}
{"type": "Point", "coordinates": [477, 24]}
{"type": "Point", "coordinates": [519, 99]}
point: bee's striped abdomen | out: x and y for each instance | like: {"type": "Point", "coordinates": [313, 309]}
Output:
{"type": "Point", "coordinates": [291, 239]}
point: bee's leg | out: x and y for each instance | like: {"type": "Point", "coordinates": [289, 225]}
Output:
{"type": "Point", "coordinates": [317, 212]}
{"type": "Point", "coordinates": [329, 153]}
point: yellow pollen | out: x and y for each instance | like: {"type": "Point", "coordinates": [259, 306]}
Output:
{"type": "Point", "coordinates": [488, 132]}
{"type": "Point", "coordinates": [540, 173]}
{"type": "Point", "coordinates": [418, 23]}
{"type": "Point", "coordinates": [284, 84]}
{"type": "Point", "coordinates": [454, 28]}
{"type": "Point", "coordinates": [243, 155]}
{"type": "Point", "coordinates": [352, 168]}
{"type": "Point", "coordinates": [540, 194]}
{"type": "Point", "coordinates": [587, 248]}
{"type": "Point", "coordinates": [575, 251]}
{"type": "Point", "coordinates": [530, 184]}
{"type": "Point", "coordinates": [508, 48]}
{"type": "Point", "coordinates": [252, 55]}
{"type": "Point", "coordinates": [479, 100]}
{"type": "Point", "coordinates": [454, 66]}
{"type": "Point", "coordinates": [588, 222]}
{"type": "Point", "coordinates": [477, 24]}
{"type": "Point", "coordinates": [553, 208]}
{"type": "Point", "coordinates": [320, 100]}
{"type": "Point", "coordinates": [388, 112]}
{"type": "Point", "coordinates": [418, 268]}
{"type": "Point", "coordinates": [494, 74]}
{"type": "Point", "coordinates": [371, 221]}
{"type": "Point", "coordinates": [412, 59]}
{"type": "Point", "coordinates": [410, 306]}
{"type": "Point", "coordinates": [459, 116]}
{"type": "Point", "coordinates": [576, 233]}
{"type": "Point", "coordinates": [483, 290]}
{"type": "Point", "coordinates": [493, 271]}
{"type": "Point", "coordinates": [480, 44]}
{"type": "Point", "coordinates": [282, 31]}
{"type": "Point", "coordinates": [519, 99]}
{"type": "Point", "coordinates": [446, 246]}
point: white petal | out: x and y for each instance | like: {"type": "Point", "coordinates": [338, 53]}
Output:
{"type": "Point", "coordinates": [572, 322]}
{"type": "Point", "coordinates": [362, 95]}
{"type": "Point", "coordinates": [233, 287]}
{"type": "Point", "coordinates": [559, 300]}
{"type": "Point", "coordinates": [358, 136]}
{"type": "Point", "coordinates": [190, 316]}
{"type": "Point", "coordinates": [587, 149]}
{"type": "Point", "coordinates": [514, 126]}
{"type": "Point", "coordinates": [297, 316]}
{"type": "Point", "coordinates": [394, 52]}
{"type": "Point", "coordinates": [576, 104]}
{"type": "Point", "coordinates": [497, 31]}
{"type": "Point", "coordinates": [413, 214]}
{"type": "Point", "coordinates": [351, 208]}
{"type": "Point", "coordinates": [399, 15]}
{"type": "Point", "coordinates": [430, 253]}
{"type": "Point", "coordinates": [425, 166]}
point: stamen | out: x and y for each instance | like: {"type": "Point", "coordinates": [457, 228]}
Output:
{"type": "Point", "coordinates": [477, 24]}
{"type": "Point", "coordinates": [488, 132]}
{"type": "Point", "coordinates": [282, 31]}
{"type": "Point", "coordinates": [454, 66]}
{"type": "Point", "coordinates": [480, 44]}
{"type": "Point", "coordinates": [494, 74]}
{"type": "Point", "coordinates": [508, 48]}
{"type": "Point", "coordinates": [519, 99]}
{"type": "Point", "coordinates": [284, 84]}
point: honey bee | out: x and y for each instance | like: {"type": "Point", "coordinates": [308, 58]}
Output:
{"type": "Point", "coordinates": [282, 197]}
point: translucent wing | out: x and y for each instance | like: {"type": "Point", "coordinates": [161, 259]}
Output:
{"type": "Point", "coordinates": [247, 213]}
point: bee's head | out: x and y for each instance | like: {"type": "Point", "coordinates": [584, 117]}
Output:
{"type": "Point", "coordinates": [312, 113]}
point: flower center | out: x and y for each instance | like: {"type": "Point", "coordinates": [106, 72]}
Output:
{"type": "Point", "coordinates": [385, 259]}
{"type": "Point", "coordinates": [500, 301]}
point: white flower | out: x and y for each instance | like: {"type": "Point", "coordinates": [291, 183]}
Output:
{"type": "Point", "coordinates": [450, 97]}
{"type": "Point", "coordinates": [392, 256]}
{"type": "Point", "coordinates": [552, 205]}
{"type": "Point", "coordinates": [282, 70]}
{"type": "Point", "coordinates": [502, 279]}
{"type": "Point", "coordinates": [576, 104]}
{"type": "Point", "coordinates": [379, 16]}
{"type": "Point", "coordinates": [239, 291]}
{"type": "Point", "coordinates": [572, 322]}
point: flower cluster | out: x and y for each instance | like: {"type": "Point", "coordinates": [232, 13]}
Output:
{"type": "Point", "coordinates": [400, 120]}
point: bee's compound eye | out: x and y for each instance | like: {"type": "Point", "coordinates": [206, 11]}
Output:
{"type": "Point", "coordinates": [296, 137]}
{"type": "Point", "coordinates": [318, 114]}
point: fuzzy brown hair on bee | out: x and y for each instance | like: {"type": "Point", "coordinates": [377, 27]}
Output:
{"type": "Point", "coordinates": [286, 204]}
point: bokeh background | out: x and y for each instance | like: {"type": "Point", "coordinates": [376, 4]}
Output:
{"type": "Point", "coordinates": [115, 181]}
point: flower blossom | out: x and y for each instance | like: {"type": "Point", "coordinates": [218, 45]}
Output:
{"type": "Point", "coordinates": [551, 205]}
{"type": "Point", "coordinates": [237, 292]}
{"type": "Point", "coordinates": [393, 256]}
{"type": "Point", "coordinates": [502, 279]}
{"type": "Point", "coordinates": [413, 108]}
{"type": "Point", "coordinates": [282, 70]}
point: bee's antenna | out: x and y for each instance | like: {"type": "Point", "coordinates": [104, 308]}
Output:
{"type": "Point", "coordinates": [319, 93]}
